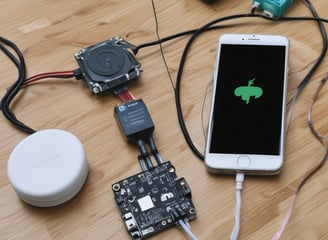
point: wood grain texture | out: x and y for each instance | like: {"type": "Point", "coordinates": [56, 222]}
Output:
{"type": "Point", "coordinates": [50, 32]}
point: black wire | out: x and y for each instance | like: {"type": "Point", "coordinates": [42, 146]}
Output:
{"type": "Point", "coordinates": [154, 150]}
{"type": "Point", "coordinates": [172, 37]}
{"type": "Point", "coordinates": [144, 153]}
{"type": "Point", "coordinates": [10, 50]}
{"type": "Point", "coordinates": [160, 44]}
{"type": "Point", "coordinates": [301, 87]}
{"type": "Point", "coordinates": [323, 140]}
{"type": "Point", "coordinates": [19, 62]}
{"type": "Point", "coordinates": [190, 32]}
{"type": "Point", "coordinates": [322, 28]}
{"type": "Point", "coordinates": [142, 163]}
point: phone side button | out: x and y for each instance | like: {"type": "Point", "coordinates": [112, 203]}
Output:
{"type": "Point", "coordinates": [243, 161]}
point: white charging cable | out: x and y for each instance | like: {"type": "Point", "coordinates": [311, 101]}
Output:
{"type": "Point", "coordinates": [186, 228]}
{"type": "Point", "coordinates": [239, 186]}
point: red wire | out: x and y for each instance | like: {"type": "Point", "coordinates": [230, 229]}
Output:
{"type": "Point", "coordinates": [130, 95]}
{"type": "Point", "coordinates": [122, 97]}
{"type": "Point", "coordinates": [63, 74]}
{"type": "Point", "coordinates": [126, 96]}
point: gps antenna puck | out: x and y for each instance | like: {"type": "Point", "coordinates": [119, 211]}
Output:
{"type": "Point", "coordinates": [48, 168]}
{"type": "Point", "coordinates": [107, 61]}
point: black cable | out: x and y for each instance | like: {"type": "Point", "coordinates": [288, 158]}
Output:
{"type": "Point", "coordinates": [142, 163]}
{"type": "Point", "coordinates": [322, 28]}
{"type": "Point", "coordinates": [19, 62]}
{"type": "Point", "coordinates": [144, 153]}
{"type": "Point", "coordinates": [10, 50]}
{"type": "Point", "coordinates": [172, 37]}
{"type": "Point", "coordinates": [211, 28]}
{"type": "Point", "coordinates": [154, 150]}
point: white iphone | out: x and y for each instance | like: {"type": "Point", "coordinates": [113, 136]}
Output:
{"type": "Point", "coordinates": [247, 122]}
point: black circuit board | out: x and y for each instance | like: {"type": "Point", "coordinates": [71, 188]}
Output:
{"type": "Point", "coordinates": [153, 200]}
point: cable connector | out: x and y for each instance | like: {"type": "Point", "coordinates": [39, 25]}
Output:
{"type": "Point", "coordinates": [239, 181]}
{"type": "Point", "coordinates": [239, 186]}
{"type": "Point", "coordinates": [273, 8]}
{"type": "Point", "coordinates": [134, 120]}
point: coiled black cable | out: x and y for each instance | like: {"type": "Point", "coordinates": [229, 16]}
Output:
{"type": "Point", "coordinates": [19, 62]}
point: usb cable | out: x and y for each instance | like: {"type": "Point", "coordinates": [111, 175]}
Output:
{"type": "Point", "coordinates": [239, 186]}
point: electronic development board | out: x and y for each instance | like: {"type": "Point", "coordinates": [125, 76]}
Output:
{"type": "Point", "coordinates": [153, 200]}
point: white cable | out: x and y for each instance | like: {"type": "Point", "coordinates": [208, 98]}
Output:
{"type": "Point", "coordinates": [187, 230]}
{"type": "Point", "coordinates": [239, 186]}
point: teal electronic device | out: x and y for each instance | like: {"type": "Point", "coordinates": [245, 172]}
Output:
{"type": "Point", "coordinates": [275, 8]}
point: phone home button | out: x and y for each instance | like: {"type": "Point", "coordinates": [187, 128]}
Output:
{"type": "Point", "coordinates": [243, 161]}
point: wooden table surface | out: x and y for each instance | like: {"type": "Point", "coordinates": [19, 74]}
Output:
{"type": "Point", "coordinates": [49, 33]}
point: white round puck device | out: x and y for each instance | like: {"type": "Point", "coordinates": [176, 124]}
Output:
{"type": "Point", "coordinates": [48, 168]}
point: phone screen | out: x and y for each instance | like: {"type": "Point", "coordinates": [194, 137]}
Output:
{"type": "Point", "coordinates": [248, 104]}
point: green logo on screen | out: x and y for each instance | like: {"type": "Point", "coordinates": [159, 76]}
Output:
{"type": "Point", "coordinates": [246, 92]}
